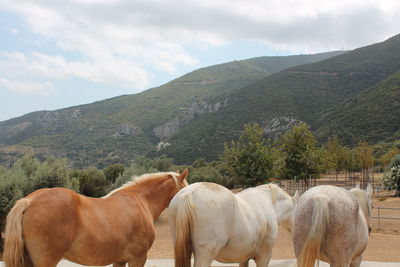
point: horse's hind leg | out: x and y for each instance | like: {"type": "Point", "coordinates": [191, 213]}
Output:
{"type": "Point", "coordinates": [244, 264]}
{"type": "Point", "coordinates": [339, 264]}
{"type": "Point", "coordinates": [138, 261]}
{"type": "Point", "coordinates": [265, 252]}
{"type": "Point", "coordinates": [356, 262]}
{"type": "Point", "coordinates": [119, 264]}
{"type": "Point", "coordinates": [263, 260]}
{"type": "Point", "coordinates": [46, 262]}
{"type": "Point", "coordinates": [203, 258]}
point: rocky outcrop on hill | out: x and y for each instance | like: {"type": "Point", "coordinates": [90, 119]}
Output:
{"type": "Point", "coordinates": [279, 125]}
{"type": "Point", "coordinates": [127, 129]}
{"type": "Point", "coordinates": [168, 129]}
{"type": "Point", "coordinates": [50, 117]}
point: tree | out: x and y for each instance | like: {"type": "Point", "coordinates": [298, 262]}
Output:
{"type": "Point", "coordinates": [391, 177]}
{"type": "Point", "coordinates": [303, 160]}
{"type": "Point", "coordinates": [351, 163]}
{"type": "Point", "coordinates": [249, 158]}
{"type": "Point", "coordinates": [337, 151]}
{"type": "Point", "coordinates": [366, 160]}
{"type": "Point", "coordinates": [336, 155]}
{"type": "Point", "coordinates": [113, 171]}
{"type": "Point", "coordinates": [161, 164]}
{"type": "Point", "coordinates": [388, 157]}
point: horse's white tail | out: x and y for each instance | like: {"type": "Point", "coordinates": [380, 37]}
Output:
{"type": "Point", "coordinates": [320, 220]}
{"type": "Point", "coordinates": [183, 243]}
{"type": "Point", "coordinates": [14, 254]}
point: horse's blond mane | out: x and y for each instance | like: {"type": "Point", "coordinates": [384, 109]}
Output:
{"type": "Point", "coordinates": [361, 197]}
{"type": "Point", "coordinates": [275, 189]}
{"type": "Point", "coordinates": [144, 178]}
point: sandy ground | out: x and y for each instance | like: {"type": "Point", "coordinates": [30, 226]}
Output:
{"type": "Point", "coordinates": [273, 263]}
{"type": "Point", "coordinates": [383, 245]}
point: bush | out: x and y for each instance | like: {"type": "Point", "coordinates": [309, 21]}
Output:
{"type": "Point", "coordinates": [92, 182]}
{"type": "Point", "coordinates": [391, 177]}
{"type": "Point", "coordinates": [13, 185]}
{"type": "Point", "coordinates": [211, 174]}
{"type": "Point", "coordinates": [113, 171]}
{"type": "Point", "coordinates": [129, 173]}
{"type": "Point", "coordinates": [53, 173]}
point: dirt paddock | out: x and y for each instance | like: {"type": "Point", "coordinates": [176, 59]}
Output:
{"type": "Point", "coordinates": [383, 244]}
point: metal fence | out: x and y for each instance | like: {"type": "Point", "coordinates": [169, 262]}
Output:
{"type": "Point", "coordinates": [379, 217]}
{"type": "Point", "coordinates": [302, 186]}
{"type": "Point", "coordinates": [345, 182]}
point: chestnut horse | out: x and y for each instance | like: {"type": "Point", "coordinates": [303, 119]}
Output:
{"type": "Point", "coordinates": [56, 223]}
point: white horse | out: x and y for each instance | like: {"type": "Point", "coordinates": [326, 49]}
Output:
{"type": "Point", "coordinates": [211, 222]}
{"type": "Point", "coordinates": [332, 224]}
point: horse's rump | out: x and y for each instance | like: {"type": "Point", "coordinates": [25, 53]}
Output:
{"type": "Point", "coordinates": [328, 226]}
{"type": "Point", "coordinates": [319, 223]}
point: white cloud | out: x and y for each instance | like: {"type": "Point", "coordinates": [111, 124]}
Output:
{"type": "Point", "coordinates": [14, 30]}
{"type": "Point", "coordinates": [114, 71]}
{"type": "Point", "coordinates": [121, 40]}
{"type": "Point", "coordinates": [30, 87]}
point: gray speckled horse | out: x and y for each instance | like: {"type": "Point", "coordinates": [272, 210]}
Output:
{"type": "Point", "coordinates": [332, 224]}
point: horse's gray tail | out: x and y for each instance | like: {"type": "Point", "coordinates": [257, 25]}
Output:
{"type": "Point", "coordinates": [320, 220]}
{"type": "Point", "coordinates": [15, 254]}
{"type": "Point", "coordinates": [184, 221]}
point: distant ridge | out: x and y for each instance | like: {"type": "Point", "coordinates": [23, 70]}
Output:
{"type": "Point", "coordinates": [119, 129]}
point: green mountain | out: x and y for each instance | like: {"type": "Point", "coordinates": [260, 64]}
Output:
{"type": "Point", "coordinates": [352, 95]}
{"type": "Point", "coordinates": [373, 115]}
{"type": "Point", "coordinates": [121, 128]}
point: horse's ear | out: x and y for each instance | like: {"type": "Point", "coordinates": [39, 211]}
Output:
{"type": "Point", "coordinates": [358, 186]}
{"type": "Point", "coordinates": [296, 196]}
{"type": "Point", "coordinates": [369, 190]}
{"type": "Point", "coordinates": [183, 175]}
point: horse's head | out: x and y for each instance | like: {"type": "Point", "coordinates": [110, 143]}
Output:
{"type": "Point", "coordinates": [180, 179]}
{"type": "Point", "coordinates": [284, 205]}
{"type": "Point", "coordinates": [365, 202]}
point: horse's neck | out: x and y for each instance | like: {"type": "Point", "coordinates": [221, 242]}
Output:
{"type": "Point", "coordinates": [156, 197]}
{"type": "Point", "coordinates": [364, 209]}
{"type": "Point", "coordinates": [277, 210]}
{"type": "Point", "coordinates": [271, 198]}
{"type": "Point", "coordinates": [363, 204]}
{"type": "Point", "coordinates": [280, 209]}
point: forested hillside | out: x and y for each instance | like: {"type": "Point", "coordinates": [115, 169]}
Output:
{"type": "Point", "coordinates": [373, 115]}
{"type": "Point", "coordinates": [119, 129]}
{"type": "Point", "coordinates": [351, 95]}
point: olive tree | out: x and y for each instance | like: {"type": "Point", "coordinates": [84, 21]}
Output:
{"type": "Point", "coordinates": [249, 158]}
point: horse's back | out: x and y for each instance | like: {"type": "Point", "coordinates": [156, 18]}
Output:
{"type": "Point", "coordinates": [341, 234]}
{"type": "Point", "coordinates": [211, 202]}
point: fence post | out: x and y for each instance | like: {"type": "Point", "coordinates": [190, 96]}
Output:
{"type": "Point", "coordinates": [379, 219]}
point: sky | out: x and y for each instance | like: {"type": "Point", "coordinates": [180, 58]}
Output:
{"type": "Point", "coordinates": [56, 54]}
